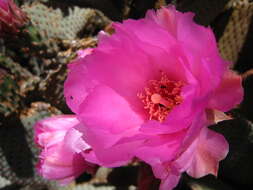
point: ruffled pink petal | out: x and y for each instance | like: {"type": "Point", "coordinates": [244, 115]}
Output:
{"type": "Point", "coordinates": [201, 150]}
{"type": "Point", "coordinates": [52, 130]}
{"type": "Point", "coordinates": [58, 164]}
{"type": "Point", "coordinates": [193, 40]}
{"type": "Point", "coordinates": [104, 128]}
{"type": "Point", "coordinates": [78, 84]}
{"type": "Point", "coordinates": [164, 52]}
{"type": "Point", "coordinates": [160, 148]}
{"type": "Point", "coordinates": [169, 163]}
{"type": "Point", "coordinates": [170, 182]}
{"type": "Point", "coordinates": [73, 141]}
{"type": "Point", "coordinates": [120, 73]}
{"type": "Point", "coordinates": [228, 94]}
{"type": "Point", "coordinates": [117, 155]}
{"type": "Point", "coordinates": [193, 132]}
{"type": "Point", "coordinates": [210, 149]}
{"type": "Point", "coordinates": [184, 29]}
{"type": "Point", "coordinates": [135, 30]}
{"type": "Point", "coordinates": [61, 158]}
{"type": "Point", "coordinates": [168, 174]}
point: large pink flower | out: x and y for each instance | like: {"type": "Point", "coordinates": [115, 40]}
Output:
{"type": "Point", "coordinates": [11, 17]}
{"type": "Point", "coordinates": [61, 158]}
{"type": "Point", "coordinates": [147, 91]}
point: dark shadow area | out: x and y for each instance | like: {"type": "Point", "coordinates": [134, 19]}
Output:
{"type": "Point", "coordinates": [108, 7]}
{"type": "Point", "coordinates": [139, 8]}
{"type": "Point", "coordinates": [18, 187]}
{"type": "Point", "coordinates": [146, 178]}
{"type": "Point", "coordinates": [247, 103]}
{"type": "Point", "coordinates": [15, 148]}
{"type": "Point", "coordinates": [206, 182]}
{"type": "Point", "coordinates": [220, 22]}
{"type": "Point", "coordinates": [237, 168]}
{"type": "Point", "coordinates": [124, 176]}
{"type": "Point", "coordinates": [206, 10]}
{"type": "Point", "coordinates": [85, 177]}
{"type": "Point", "coordinates": [183, 183]}
{"type": "Point", "coordinates": [245, 60]}
{"type": "Point", "coordinates": [111, 8]}
{"type": "Point", "coordinates": [11, 187]}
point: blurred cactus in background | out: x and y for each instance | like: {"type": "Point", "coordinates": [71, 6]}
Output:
{"type": "Point", "coordinates": [51, 23]}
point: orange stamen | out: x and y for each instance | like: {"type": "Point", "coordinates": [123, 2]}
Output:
{"type": "Point", "coordinates": [160, 97]}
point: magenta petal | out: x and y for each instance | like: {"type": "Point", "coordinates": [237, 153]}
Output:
{"type": "Point", "coordinates": [211, 148]}
{"type": "Point", "coordinates": [61, 164]}
{"type": "Point", "coordinates": [58, 164]}
{"type": "Point", "coordinates": [193, 39]}
{"type": "Point", "coordinates": [168, 146]}
{"type": "Point", "coordinates": [185, 30]}
{"type": "Point", "coordinates": [117, 155]}
{"type": "Point", "coordinates": [228, 94]}
{"type": "Point", "coordinates": [102, 67]}
{"type": "Point", "coordinates": [169, 176]}
{"type": "Point", "coordinates": [52, 130]}
{"type": "Point", "coordinates": [164, 52]}
{"type": "Point", "coordinates": [170, 182]}
{"type": "Point", "coordinates": [62, 144]}
{"type": "Point", "coordinates": [76, 87]}
{"type": "Point", "coordinates": [112, 109]}
{"type": "Point", "coordinates": [135, 29]}
{"type": "Point", "coordinates": [73, 141]}
{"type": "Point", "coordinates": [104, 128]}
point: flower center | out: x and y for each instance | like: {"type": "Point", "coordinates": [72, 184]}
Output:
{"type": "Point", "coordinates": [160, 96]}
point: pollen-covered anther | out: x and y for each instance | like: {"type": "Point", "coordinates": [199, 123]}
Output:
{"type": "Point", "coordinates": [161, 96]}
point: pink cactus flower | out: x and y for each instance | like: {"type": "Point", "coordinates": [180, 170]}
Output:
{"type": "Point", "coordinates": [11, 17]}
{"type": "Point", "coordinates": [61, 158]}
{"type": "Point", "coordinates": [149, 91]}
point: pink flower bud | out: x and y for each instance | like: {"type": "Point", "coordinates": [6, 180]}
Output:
{"type": "Point", "coordinates": [11, 17]}
{"type": "Point", "coordinates": [61, 158]}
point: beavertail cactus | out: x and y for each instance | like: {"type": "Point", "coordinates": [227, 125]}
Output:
{"type": "Point", "coordinates": [53, 24]}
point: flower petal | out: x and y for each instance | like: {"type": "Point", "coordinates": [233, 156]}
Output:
{"type": "Point", "coordinates": [104, 128]}
{"type": "Point", "coordinates": [228, 94]}
{"type": "Point", "coordinates": [78, 84]}
{"type": "Point", "coordinates": [168, 146]}
{"type": "Point", "coordinates": [211, 148]}
{"type": "Point", "coordinates": [52, 130]}
{"type": "Point", "coordinates": [62, 161]}
{"type": "Point", "coordinates": [170, 182]}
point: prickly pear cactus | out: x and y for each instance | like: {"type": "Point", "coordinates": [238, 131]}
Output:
{"type": "Point", "coordinates": [53, 24]}
{"type": "Point", "coordinates": [9, 99]}
{"type": "Point", "coordinates": [236, 30]}
{"type": "Point", "coordinates": [15, 83]}
{"type": "Point", "coordinates": [18, 153]}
